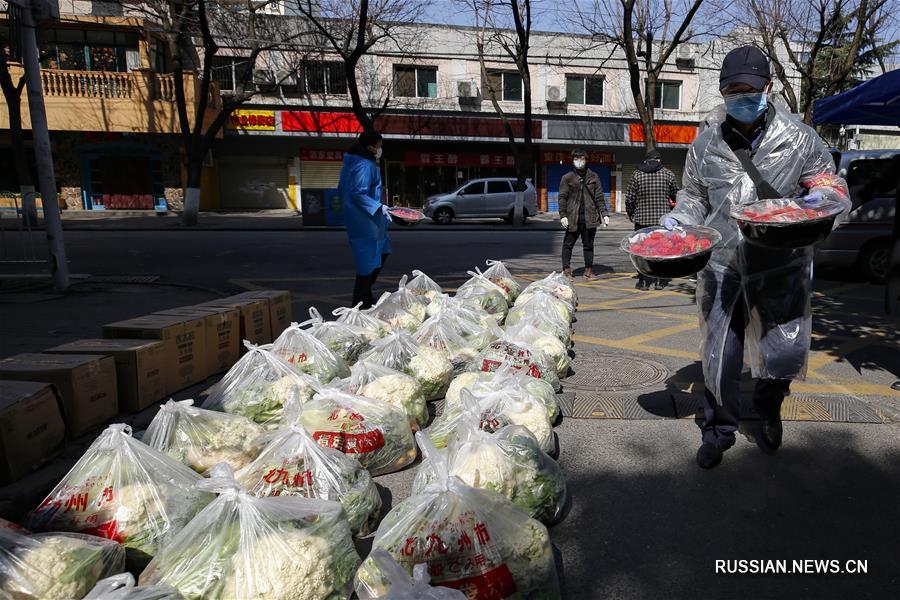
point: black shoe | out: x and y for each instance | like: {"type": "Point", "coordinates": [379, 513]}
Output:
{"type": "Point", "coordinates": [659, 285]}
{"type": "Point", "coordinates": [770, 434]}
{"type": "Point", "coordinates": [641, 285]}
{"type": "Point", "coordinates": [709, 455]}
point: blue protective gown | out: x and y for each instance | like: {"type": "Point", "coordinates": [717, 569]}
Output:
{"type": "Point", "coordinates": [360, 191]}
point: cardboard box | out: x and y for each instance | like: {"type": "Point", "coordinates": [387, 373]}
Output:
{"type": "Point", "coordinates": [255, 323]}
{"type": "Point", "coordinates": [222, 326]}
{"type": "Point", "coordinates": [280, 309]}
{"type": "Point", "coordinates": [140, 368]}
{"type": "Point", "coordinates": [86, 384]}
{"type": "Point", "coordinates": [184, 345]}
{"type": "Point", "coordinates": [31, 427]}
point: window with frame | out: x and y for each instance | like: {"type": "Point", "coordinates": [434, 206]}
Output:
{"type": "Point", "coordinates": [668, 95]}
{"type": "Point", "coordinates": [415, 82]}
{"type": "Point", "coordinates": [474, 189]}
{"type": "Point", "coordinates": [505, 85]}
{"type": "Point", "coordinates": [581, 89]}
{"type": "Point", "coordinates": [231, 73]}
{"type": "Point", "coordinates": [87, 50]}
{"type": "Point", "coordinates": [323, 77]}
{"type": "Point", "coordinates": [498, 187]}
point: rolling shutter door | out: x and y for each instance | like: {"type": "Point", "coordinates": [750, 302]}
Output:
{"type": "Point", "coordinates": [318, 175]}
{"type": "Point", "coordinates": [628, 170]}
{"type": "Point", "coordinates": [254, 182]}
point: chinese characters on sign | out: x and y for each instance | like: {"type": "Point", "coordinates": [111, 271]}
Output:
{"type": "Point", "coordinates": [252, 120]}
{"type": "Point", "coordinates": [322, 155]}
{"type": "Point", "coordinates": [459, 159]}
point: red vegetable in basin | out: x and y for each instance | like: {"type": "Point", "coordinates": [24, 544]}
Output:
{"type": "Point", "coordinates": [670, 244]}
{"type": "Point", "coordinates": [784, 214]}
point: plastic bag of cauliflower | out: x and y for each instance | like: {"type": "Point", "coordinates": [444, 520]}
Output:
{"type": "Point", "coordinates": [388, 385]}
{"type": "Point", "coordinates": [525, 334]}
{"type": "Point", "coordinates": [272, 548]}
{"type": "Point", "coordinates": [400, 586]}
{"type": "Point", "coordinates": [374, 432]}
{"type": "Point", "coordinates": [55, 566]}
{"type": "Point", "coordinates": [124, 587]}
{"type": "Point", "coordinates": [390, 310]}
{"type": "Point", "coordinates": [498, 409]}
{"type": "Point", "coordinates": [471, 539]}
{"type": "Point", "coordinates": [293, 464]}
{"type": "Point", "coordinates": [541, 312]}
{"type": "Point", "coordinates": [500, 275]}
{"type": "Point", "coordinates": [555, 284]}
{"type": "Point", "coordinates": [202, 438]}
{"type": "Point", "coordinates": [308, 355]}
{"type": "Point", "coordinates": [371, 327]}
{"type": "Point", "coordinates": [442, 333]}
{"type": "Point", "coordinates": [400, 351]}
{"type": "Point", "coordinates": [344, 339]}
{"type": "Point", "coordinates": [529, 359]}
{"type": "Point", "coordinates": [423, 287]}
{"type": "Point", "coordinates": [508, 461]}
{"type": "Point", "coordinates": [480, 384]}
{"type": "Point", "coordinates": [541, 302]}
{"type": "Point", "coordinates": [485, 294]}
{"type": "Point", "coordinates": [258, 386]}
{"type": "Point", "coordinates": [123, 490]}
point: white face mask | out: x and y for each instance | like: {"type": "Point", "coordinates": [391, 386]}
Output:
{"type": "Point", "coordinates": [378, 152]}
{"type": "Point", "coordinates": [579, 163]}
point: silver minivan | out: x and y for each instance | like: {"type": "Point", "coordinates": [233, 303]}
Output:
{"type": "Point", "coordinates": [481, 199]}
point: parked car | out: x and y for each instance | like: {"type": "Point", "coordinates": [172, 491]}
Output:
{"type": "Point", "coordinates": [863, 240]}
{"type": "Point", "coordinates": [481, 199]}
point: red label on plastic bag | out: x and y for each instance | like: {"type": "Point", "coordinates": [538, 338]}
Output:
{"type": "Point", "coordinates": [109, 530]}
{"type": "Point", "coordinates": [350, 443]}
{"type": "Point", "coordinates": [496, 584]}
{"type": "Point", "coordinates": [489, 366]}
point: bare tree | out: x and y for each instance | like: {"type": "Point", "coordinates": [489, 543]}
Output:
{"type": "Point", "coordinates": [12, 93]}
{"type": "Point", "coordinates": [196, 32]}
{"type": "Point", "coordinates": [831, 44]}
{"type": "Point", "coordinates": [649, 32]}
{"type": "Point", "coordinates": [351, 29]}
{"type": "Point", "coordinates": [496, 39]}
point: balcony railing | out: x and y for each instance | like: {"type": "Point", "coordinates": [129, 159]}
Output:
{"type": "Point", "coordinates": [164, 87]}
{"type": "Point", "coordinates": [87, 84]}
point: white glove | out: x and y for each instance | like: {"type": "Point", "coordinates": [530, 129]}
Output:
{"type": "Point", "coordinates": [606, 221]}
{"type": "Point", "coordinates": [385, 210]}
{"type": "Point", "coordinates": [564, 222]}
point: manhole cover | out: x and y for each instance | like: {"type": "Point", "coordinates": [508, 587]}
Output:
{"type": "Point", "coordinates": [605, 372]}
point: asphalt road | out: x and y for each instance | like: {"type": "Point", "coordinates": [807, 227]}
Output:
{"type": "Point", "coordinates": [645, 522]}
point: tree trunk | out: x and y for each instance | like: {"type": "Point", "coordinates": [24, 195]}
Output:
{"type": "Point", "coordinates": [12, 93]}
{"type": "Point", "coordinates": [356, 100]}
{"type": "Point", "coordinates": [190, 215]}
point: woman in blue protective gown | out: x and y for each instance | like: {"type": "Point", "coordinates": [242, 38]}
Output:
{"type": "Point", "coordinates": [366, 217]}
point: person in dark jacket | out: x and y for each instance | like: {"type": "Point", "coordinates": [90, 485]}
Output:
{"type": "Point", "coordinates": [366, 217]}
{"type": "Point", "coordinates": [651, 194]}
{"type": "Point", "coordinates": [582, 208]}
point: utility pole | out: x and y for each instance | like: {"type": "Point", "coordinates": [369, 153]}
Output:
{"type": "Point", "coordinates": [43, 9]}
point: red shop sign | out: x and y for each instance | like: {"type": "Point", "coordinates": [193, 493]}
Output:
{"type": "Point", "coordinates": [458, 159]}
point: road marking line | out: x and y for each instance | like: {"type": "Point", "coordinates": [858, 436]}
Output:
{"type": "Point", "coordinates": [660, 333]}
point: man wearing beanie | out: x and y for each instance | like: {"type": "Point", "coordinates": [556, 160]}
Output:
{"type": "Point", "coordinates": [750, 295]}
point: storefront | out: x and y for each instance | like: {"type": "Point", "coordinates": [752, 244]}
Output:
{"type": "Point", "coordinates": [556, 163]}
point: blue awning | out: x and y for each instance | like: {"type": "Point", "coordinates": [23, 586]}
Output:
{"type": "Point", "coordinates": [873, 102]}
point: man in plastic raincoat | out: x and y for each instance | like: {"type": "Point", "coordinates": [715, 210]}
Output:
{"type": "Point", "coordinates": [748, 294]}
{"type": "Point", "coordinates": [366, 217]}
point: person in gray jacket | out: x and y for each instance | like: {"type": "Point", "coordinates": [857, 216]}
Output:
{"type": "Point", "coordinates": [582, 208]}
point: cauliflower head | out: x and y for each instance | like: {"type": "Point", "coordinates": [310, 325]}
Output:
{"type": "Point", "coordinates": [433, 370]}
{"type": "Point", "coordinates": [402, 391]}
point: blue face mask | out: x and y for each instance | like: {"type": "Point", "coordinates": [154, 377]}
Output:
{"type": "Point", "coordinates": [745, 108]}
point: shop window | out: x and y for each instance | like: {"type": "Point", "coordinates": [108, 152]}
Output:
{"type": "Point", "coordinates": [584, 90]}
{"type": "Point", "coordinates": [668, 95]}
{"type": "Point", "coordinates": [415, 82]}
{"type": "Point", "coordinates": [505, 85]}
{"type": "Point", "coordinates": [498, 187]}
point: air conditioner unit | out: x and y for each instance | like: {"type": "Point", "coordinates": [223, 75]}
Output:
{"type": "Point", "coordinates": [467, 89]}
{"type": "Point", "coordinates": [686, 57]}
{"type": "Point", "coordinates": [555, 95]}
{"type": "Point", "coordinates": [263, 77]}
{"type": "Point", "coordinates": [287, 78]}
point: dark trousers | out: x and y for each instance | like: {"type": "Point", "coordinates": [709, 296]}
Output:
{"type": "Point", "coordinates": [643, 278]}
{"type": "Point", "coordinates": [720, 422]}
{"type": "Point", "coordinates": [587, 244]}
{"type": "Point", "coordinates": [362, 289]}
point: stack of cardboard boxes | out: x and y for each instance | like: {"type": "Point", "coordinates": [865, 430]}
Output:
{"type": "Point", "coordinates": [71, 389]}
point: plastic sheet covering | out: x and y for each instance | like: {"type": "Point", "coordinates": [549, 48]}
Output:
{"type": "Point", "coordinates": [123, 490]}
{"type": "Point", "coordinates": [203, 438]}
{"type": "Point", "coordinates": [259, 385]}
{"type": "Point", "coordinates": [55, 566]}
{"type": "Point", "coordinates": [308, 355]}
{"type": "Point", "coordinates": [509, 461]}
{"type": "Point", "coordinates": [400, 586]}
{"type": "Point", "coordinates": [273, 548]}
{"type": "Point", "coordinates": [473, 540]}
{"type": "Point", "coordinates": [124, 587]}
{"type": "Point", "coordinates": [344, 339]}
{"type": "Point", "coordinates": [292, 463]}
{"type": "Point", "coordinates": [374, 432]}
{"type": "Point", "coordinates": [500, 275]}
{"type": "Point", "coordinates": [372, 327]}
{"type": "Point", "coordinates": [773, 285]}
